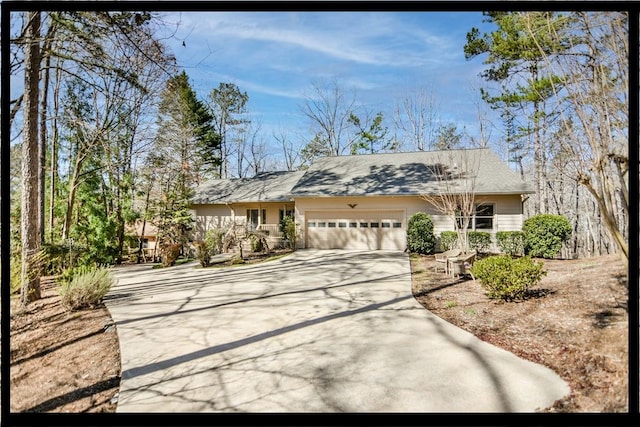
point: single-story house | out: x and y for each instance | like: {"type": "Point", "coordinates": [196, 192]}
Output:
{"type": "Point", "coordinates": [146, 233]}
{"type": "Point", "coordinates": [365, 201]}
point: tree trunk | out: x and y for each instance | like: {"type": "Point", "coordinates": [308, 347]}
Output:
{"type": "Point", "coordinates": [54, 156]}
{"type": "Point", "coordinates": [611, 226]}
{"type": "Point", "coordinates": [73, 186]}
{"type": "Point", "coordinates": [42, 148]}
{"type": "Point", "coordinates": [30, 169]}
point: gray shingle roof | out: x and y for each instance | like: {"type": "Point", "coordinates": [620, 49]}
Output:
{"type": "Point", "coordinates": [264, 187]}
{"type": "Point", "coordinates": [409, 174]}
{"type": "Point", "coordinates": [393, 174]}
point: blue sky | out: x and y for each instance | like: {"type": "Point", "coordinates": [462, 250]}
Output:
{"type": "Point", "coordinates": [382, 56]}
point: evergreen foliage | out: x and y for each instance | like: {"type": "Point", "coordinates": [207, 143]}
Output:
{"type": "Point", "coordinates": [448, 240]}
{"type": "Point", "coordinates": [511, 242]}
{"type": "Point", "coordinates": [479, 241]}
{"type": "Point", "coordinates": [420, 237]}
{"type": "Point", "coordinates": [544, 234]}
{"type": "Point", "coordinates": [289, 230]}
{"type": "Point", "coordinates": [506, 278]}
{"type": "Point", "coordinates": [211, 245]}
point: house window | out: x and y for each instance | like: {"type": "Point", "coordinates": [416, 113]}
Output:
{"type": "Point", "coordinates": [145, 243]}
{"type": "Point", "coordinates": [286, 212]}
{"type": "Point", "coordinates": [375, 225]}
{"type": "Point", "coordinates": [364, 224]}
{"type": "Point", "coordinates": [482, 218]}
{"type": "Point", "coordinates": [253, 220]}
{"type": "Point", "coordinates": [386, 225]}
{"type": "Point", "coordinates": [397, 225]}
{"type": "Point", "coordinates": [342, 225]}
{"type": "Point", "coordinates": [332, 225]}
{"type": "Point", "coordinates": [312, 224]}
{"type": "Point", "coordinates": [353, 224]}
{"type": "Point", "coordinates": [322, 224]}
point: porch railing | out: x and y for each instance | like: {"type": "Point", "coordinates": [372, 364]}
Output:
{"type": "Point", "coordinates": [272, 230]}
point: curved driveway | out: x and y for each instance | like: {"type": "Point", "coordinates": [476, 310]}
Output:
{"type": "Point", "coordinates": [316, 331]}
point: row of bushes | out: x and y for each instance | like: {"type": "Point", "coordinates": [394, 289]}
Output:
{"type": "Point", "coordinates": [214, 241]}
{"type": "Point", "coordinates": [509, 242]}
{"type": "Point", "coordinates": [502, 276]}
{"type": "Point", "coordinates": [541, 236]}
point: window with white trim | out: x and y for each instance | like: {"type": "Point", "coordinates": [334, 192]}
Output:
{"type": "Point", "coordinates": [482, 219]}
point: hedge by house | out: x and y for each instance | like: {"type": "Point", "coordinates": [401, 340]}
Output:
{"type": "Point", "coordinates": [544, 235]}
{"type": "Point", "coordinates": [448, 240]}
{"type": "Point", "coordinates": [511, 242]}
{"type": "Point", "coordinates": [420, 237]}
{"type": "Point", "coordinates": [479, 241]}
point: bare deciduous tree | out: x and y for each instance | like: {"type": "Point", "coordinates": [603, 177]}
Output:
{"type": "Point", "coordinates": [416, 117]}
{"type": "Point", "coordinates": [329, 108]}
{"type": "Point", "coordinates": [290, 153]}
{"type": "Point", "coordinates": [593, 105]}
{"type": "Point", "coordinates": [455, 177]}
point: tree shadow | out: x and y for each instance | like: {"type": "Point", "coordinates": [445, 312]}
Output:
{"type": "Point", "coordinates": [72, 396]}
{"type": "Point", "coordinates": [56, 347]}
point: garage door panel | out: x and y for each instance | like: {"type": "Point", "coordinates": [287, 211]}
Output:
{"type": "Point", "coordinates": [367, 230]}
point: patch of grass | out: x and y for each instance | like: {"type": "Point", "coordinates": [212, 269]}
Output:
{"type": "Point", "coordinates": [450, 304]}
{"type": "Point", "coordinates": [469, 312]}
{"type": "Point", "coordinates": [86, 288]}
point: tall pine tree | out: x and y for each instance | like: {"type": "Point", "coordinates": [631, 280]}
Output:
{"type": "Point", "coordinates": [184, 153]}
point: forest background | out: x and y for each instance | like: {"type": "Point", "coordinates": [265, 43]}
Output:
{"type": "Point", "coordinates": [109, 130]}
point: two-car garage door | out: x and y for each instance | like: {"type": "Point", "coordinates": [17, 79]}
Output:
{"type": "Point", "coordinates": [368, 230]}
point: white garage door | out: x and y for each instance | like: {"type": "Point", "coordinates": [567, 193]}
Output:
{"type": "Point", "coordinates": [367, 230]}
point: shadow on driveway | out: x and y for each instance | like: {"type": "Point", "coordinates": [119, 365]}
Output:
{"type": "Point", "coordinates": [316, 331]}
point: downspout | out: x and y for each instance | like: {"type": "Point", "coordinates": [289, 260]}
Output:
{"type": "Point", "coordinates": [524, 199]}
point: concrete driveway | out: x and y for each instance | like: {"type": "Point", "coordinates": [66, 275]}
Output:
{"type": "Point", "coordinates": [316, 331]}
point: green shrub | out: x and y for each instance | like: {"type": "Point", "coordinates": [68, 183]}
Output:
{"type": "Point", "coordinates": [511, 242]}
{"type": "Point", "coordinates": [210, 246]}
{"type": "Point", "coordinates": [289, 230]}
{"type": "Point", "coordinates": [257, 243]}
{"type": "Point", "coordinates": [506, 278]}
{"type": "Point", "coordinates": [204, 252]}
{"type": "Point", "coordinates": [215, 238]}
{"type": "Point", "coordinates": [448, 240]}
{"type": "Point", "coordinates": [420, 237]}
{"type": "Point", "coordinates": [479, 241]}
{"type": "Point", "coordinates": [84, 287]}
{"type": "Point", "coordinates": [59, 257]}
{"type": "Point", "coordinates": [544, 235]}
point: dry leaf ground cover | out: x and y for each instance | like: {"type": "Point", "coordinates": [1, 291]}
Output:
{"type": "Point", "coordinates": [575, 323]}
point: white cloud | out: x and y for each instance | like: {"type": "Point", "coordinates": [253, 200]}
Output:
{"type": "Point", "coordinates": [378, 39]}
